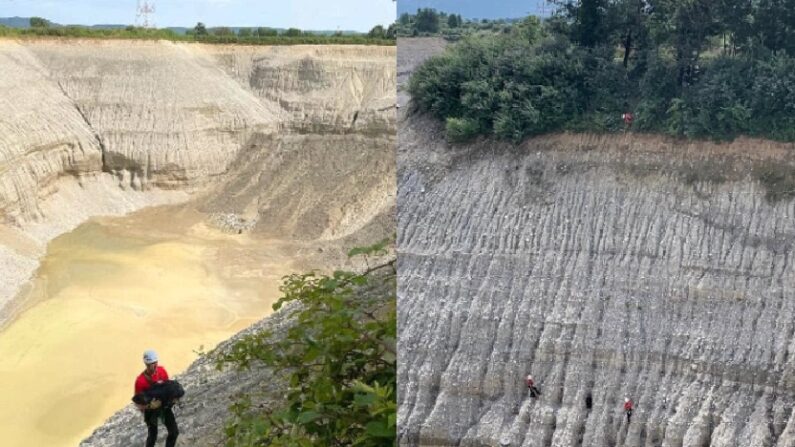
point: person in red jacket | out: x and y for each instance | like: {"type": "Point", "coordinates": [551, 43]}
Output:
{"type": "Point", "coordinates": [151, 375]}
{"type": "Point", "coordinates": [628, 408]}
{"type": "Point", "coordinates": [628, 118]}
{"type": "Point", "coordinates": [531, 385]}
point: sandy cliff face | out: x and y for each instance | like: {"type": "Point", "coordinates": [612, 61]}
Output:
{"type": "Point", "coordinates": [609, 266]}
{"type": "Point", "coordinates": [107, 127]}
{"type": "Point", "coordinates": [42, 135]}
{"type": "Point", "coordinates": [163, 113]}
{"type": "Point", "coordinates": [314, 186]}
{"type": "Point", "coordinates": [319, 89]}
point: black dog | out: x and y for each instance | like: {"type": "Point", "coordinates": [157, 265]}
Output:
{"type": "Point", "coordinates": [166, 392]}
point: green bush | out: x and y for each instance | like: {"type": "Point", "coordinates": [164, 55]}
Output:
{"type": "Point", "coordinates": [436, 85]}
{"type": "Point", "coordinates": [772, 98]}
{"type": "Point", "coordinates": [502, 85]}
{"type": "Point", "coordinates": [718, 106]}
{"type": "Point", "coordinates": [427, 20]}
{"type": "Point", "coordinates": [534, 80]}
{"type": "Point", "coordinates": [38, 22]}
{"type": "Point", "coordinates": [292, 32]}
{"type": "Point", "coordinates": [460, 130]}
{"type": "Point", "coordinates": [337, 360]}
{"type": "Point", "coordinates": [263, 36]}
{"type": "Point", "coordinates": [656, 90]}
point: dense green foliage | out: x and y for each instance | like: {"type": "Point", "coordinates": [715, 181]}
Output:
{"type": "Point", "coordinates": [429, 22]}
{"type": "Point", "coordinates": [426, 21]}
{"type": "Point", "coordinates": [200, 33]}
{"type": "Point", "coordinates": [38, 22]}
{"type": "Point", "coordinates": [339, 360]}
{"type": "Point", "coordinates": [379, 32]}
{"type": "Point", "coordinates": [691, 69]}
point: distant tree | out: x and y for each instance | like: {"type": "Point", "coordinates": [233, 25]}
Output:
{"type": "Point", "coordinates": [530, 29]}
{"type": "Point", "coordinates": [405, 19]}
{"type": "Point", "coordinates": [377, 32]}
{"type": "Point", "coordinates": [200, 29]}
{"type": "Point", "coordinates": [391, 32]}
{"type": "Point", "coordinates": [452, 21]}
{"type": "Point", "coordinates": [293, 32]}
{"type": "Point", "coordinates": [773, 27]}
{"type": "Point", "coordinates": [690, 23]}
{"type": "Point", "coordinates": [223, 31]}
{"type": "Point", "coordinates": [263, 32]}
{"type": "Point", "coordinates": [38, 22]}
{"type": "Point", "coordinates": [244, 32]}
{"type": "Point", "coordinates": [591, 22]}
{"type": "Point", "coordinates": [427, 20]}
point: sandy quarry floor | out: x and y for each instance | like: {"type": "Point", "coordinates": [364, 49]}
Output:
{"type": "Point", "coordinates": [110, 289]}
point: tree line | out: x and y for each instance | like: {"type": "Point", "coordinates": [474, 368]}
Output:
{"type": "Point", "coordinates": [694, 68]}
{"type": "Point", "coordinates": [430, 22]}
{"type": "Point", "coordinates": [377, 32]}
{"type": "Point", "coordinates": [40, 27]}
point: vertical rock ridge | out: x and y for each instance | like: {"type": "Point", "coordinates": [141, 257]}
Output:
{"type": "Point", "coordinates": [601, 265]}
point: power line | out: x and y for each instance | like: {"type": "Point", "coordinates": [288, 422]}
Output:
{"type": "Point", "coordinates": [144, 11]}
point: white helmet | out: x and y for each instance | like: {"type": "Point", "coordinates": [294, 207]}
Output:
{"type": "Point", "coordinates": [529, 377]}
{"type": "Point", "coordinates": [150, 356]}
{"type": "Point", "coordinates": [626, 399]}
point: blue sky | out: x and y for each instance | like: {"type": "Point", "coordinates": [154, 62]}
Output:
{"type": "Point", "coordinates": [356, 15]}
{"type": "Point", "coordinates": [477, 9]}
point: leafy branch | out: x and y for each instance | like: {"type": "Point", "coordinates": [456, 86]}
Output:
{"type": "Point", "coordinates": [338, 359]}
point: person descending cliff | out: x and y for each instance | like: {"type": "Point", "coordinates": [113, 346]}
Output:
{"type": "Point", "coordinates": [627, 117]}
{"type": "Point", "coordinates": [628, 409]}
{"type": "Point", "coordinates": [531, 385]}
{"type": "Point", "coordinates": [155, 410]}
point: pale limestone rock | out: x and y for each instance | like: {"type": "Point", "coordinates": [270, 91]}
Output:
{"type": "Point", "coordinates": [610, 265]}
{"type": "Point", "coordinates": [284, 142]}
{"type": "Point", "coordinates": [93, 127]}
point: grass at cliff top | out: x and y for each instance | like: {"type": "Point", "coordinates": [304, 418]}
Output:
{"type": "Point", "coordinates": [165, 34]}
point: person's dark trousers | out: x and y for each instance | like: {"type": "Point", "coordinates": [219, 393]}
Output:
{"type": "Point", "coordinates": [151, 417]}
{"type": "Point", "coordinates": [534, 391]}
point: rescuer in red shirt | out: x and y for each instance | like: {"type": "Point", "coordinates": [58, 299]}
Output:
{"type": "Point", "coordinates": [628, 118]}
{"type": "Point", "coordinates": [628, 408]}
{"type": "Point", "coordinates": [154, 411]}
{"type": "Point", "coordinates": [531, 385]}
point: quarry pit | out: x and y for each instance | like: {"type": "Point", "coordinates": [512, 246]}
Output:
{"type": "Point", "coordinates": [152, 194]}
